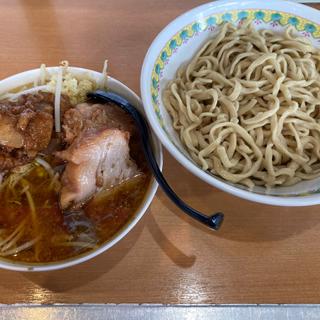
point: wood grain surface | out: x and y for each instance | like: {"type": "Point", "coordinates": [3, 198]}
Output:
{"type": "Point", "coordinates": [262, 254]}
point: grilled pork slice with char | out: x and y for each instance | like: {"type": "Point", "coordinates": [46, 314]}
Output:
{"type": "Point", "coordinates": [100, 116]}
{"type": "Point", "coordinates": [96, 159]}
{"type": "Point", "coordinates": [26, 126]}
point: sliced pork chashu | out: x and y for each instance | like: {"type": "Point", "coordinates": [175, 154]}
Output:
{"type": "Point", "coordinates": [99, 116]}
{"type": "Point", "coordinates": [96, 159]}
{"type": "Point", "coordinates": [25, 129]}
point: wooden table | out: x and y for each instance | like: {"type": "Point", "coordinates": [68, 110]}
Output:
{"type": "Point", "coordinates": [262, 254]}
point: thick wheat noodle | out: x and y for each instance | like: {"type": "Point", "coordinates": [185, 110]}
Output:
{"type": "Point", "coordinates": [247, 106]}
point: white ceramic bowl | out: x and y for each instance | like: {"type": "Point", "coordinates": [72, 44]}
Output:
{"type": "Point", "coordinates": [114, 85]}
{"type": "Point", "coordinates": [181, 39]}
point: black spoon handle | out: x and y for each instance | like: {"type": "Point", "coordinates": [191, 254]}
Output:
{"type": "Point", "coordinates": [214, 221]}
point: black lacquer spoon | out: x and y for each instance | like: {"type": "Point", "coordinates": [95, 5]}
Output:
{"type": "Point", "coordinates": [214, 221]}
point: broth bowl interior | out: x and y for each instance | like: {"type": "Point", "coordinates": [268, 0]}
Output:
{"type": "Point", "coordinates": [28, 77]}
{"type": "Point", "coordinates": [177, 44]}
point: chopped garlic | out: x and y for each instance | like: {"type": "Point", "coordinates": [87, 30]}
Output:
{"type": "Point", "coordinates": [76, 89]}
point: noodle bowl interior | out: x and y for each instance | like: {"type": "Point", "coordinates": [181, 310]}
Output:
{"type": "Point", "coordinates": [71, 183]}
{"type": "Point", "coordinates": [246, 107]}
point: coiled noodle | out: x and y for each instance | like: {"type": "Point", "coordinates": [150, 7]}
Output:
{"type": "Point", "coordinates": [247, 106]}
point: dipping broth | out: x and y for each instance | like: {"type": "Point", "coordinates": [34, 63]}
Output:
{"type": "Point", "coordinates": [66, 193]}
